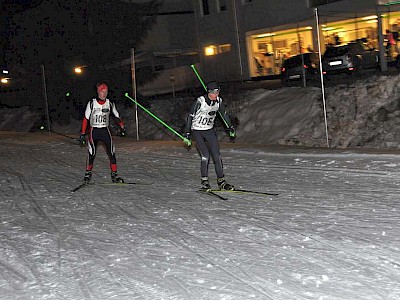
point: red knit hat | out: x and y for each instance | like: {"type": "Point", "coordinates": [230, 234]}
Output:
{"type": "Point", "coordinates": [102, 87]}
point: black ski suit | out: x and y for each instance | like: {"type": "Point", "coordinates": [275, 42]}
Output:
{"type": "Point", "coordinates": [201, 123]}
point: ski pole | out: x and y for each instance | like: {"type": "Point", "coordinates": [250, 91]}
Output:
{"type": "Point", "coordinates": [187, 141]}
{"type": "Point", "coordinates": [67, 136]}
{"type": "Point", "coordinates": [198, 76]}
{"type": "Point", "coordinates": [204, 86]}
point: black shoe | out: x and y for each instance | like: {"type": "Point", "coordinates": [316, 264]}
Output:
{"type": "Point", "coordinates": [115, 178]}
{"type": "Point", "coordinates": [223, 185]}
{"type": "Point", "coordinates": [87, 177]}
{"type": "Point", "coordinates": [205, 184]}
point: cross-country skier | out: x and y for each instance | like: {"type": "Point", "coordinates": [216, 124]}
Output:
{"type": "Point", "coordinates": [97, 116]}
{"type": "Point", "coordinates": [200, 124]}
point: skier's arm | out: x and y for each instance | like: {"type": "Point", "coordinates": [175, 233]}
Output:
{"type": "Point", "coordinates": [116, 115]}
{"type": "Point", "coordinates": [84, 125]}
{"type": "Point", "coordinates": [189, 120]}
{"type": "Point", "coordinates": [227, 120]}
{"type": "Point", "coordinates": [224, 115]}
{"type": "Point", "coordinates": [85, 120]}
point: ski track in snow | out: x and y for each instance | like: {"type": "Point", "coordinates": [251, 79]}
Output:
{"type": "Point", "coordinates": [331, 233]}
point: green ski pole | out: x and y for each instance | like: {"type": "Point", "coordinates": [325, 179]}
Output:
{"type": "Point", "coordinates": [198, 76]}
{"type": "Point", "coordinates": [186, 141]}
{"type": "Point", "coordinates": [204, 86]}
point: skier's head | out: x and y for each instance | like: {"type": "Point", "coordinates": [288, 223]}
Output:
{"type": "Point", "coordinates": [213, 86]}
{"type": "Point", "coordinates": [102, 90]}
{"type": "Point", "coordinates": [213, 90]}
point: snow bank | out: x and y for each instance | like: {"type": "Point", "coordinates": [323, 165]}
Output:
{"type": "Point", "coordinates": [360, 113]}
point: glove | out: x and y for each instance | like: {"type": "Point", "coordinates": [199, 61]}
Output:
{"type": "Point", "coordinates": [122, 132]}
{"type": "Point", "coordinates": [82, 139]}
{"type": "Point", "coordinates": [232, 132]}
{"type": "Point", "coordinates": [187, 139]}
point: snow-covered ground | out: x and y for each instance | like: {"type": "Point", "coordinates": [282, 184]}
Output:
{"type": "Point", "coordinates": [331, 233]}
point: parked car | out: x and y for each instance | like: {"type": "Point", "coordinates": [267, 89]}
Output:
{"type": "Point", "coordinates": [294, 67]}
{"type": "Point", "coordinates": [349, 58]}
{"type": "Point", "coordinates": [395, 63]}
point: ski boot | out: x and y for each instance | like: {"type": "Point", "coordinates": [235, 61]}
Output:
{"type": "Point", "coordinates": [205, 184]}
{"type": "Point", "coordinates": [87, 177]}
{"type": "Point", "coordinates": [115, 178]}
{"type": "Point", "coordinates": [223, 185]}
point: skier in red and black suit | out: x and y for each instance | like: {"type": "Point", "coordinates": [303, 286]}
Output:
{"type": "Point", "coordinates": [97, 116]}
{"type": "Point", "coordinates": [200, 123]}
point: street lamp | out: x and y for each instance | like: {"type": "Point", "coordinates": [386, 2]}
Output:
{"type": "Point", "coordinates": [5, 80]}
{"type": "Point", "coordinates": [79, 69]}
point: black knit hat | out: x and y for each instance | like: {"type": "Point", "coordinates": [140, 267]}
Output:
{"type": "Point", "coordinates": [212, 85]}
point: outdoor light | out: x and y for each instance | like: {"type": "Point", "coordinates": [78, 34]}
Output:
{"type": "Point", "coordinates": [210, 50]}
{"type": "Point", "coordinates": [5, 80]}
{"type": "Point", "coordinates": [329, 28]}
{"type": "Point", "coordinates": [370, 17]}
{"type": "Point", "coordinates": [265, 35]}
{"type": "Point", "coordinates": [78, 70]}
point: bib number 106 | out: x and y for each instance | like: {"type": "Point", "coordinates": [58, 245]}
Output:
{"type": "Point", "coordinates": [101, 119]}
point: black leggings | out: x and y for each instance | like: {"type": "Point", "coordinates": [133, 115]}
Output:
{"type": "Point", "coordinates": [207, 143]}
{"type": "Point", "coordinates": [96, 135]}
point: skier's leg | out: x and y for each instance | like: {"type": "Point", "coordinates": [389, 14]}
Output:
{"type": "Point", "coordinates": [91, 147]}
{"type": "Point", "coordinates": [212, 141]}
{"type": "Point", "coordinates": [204, 154]}
{"type": "Point", "coordinates": [110, 149]}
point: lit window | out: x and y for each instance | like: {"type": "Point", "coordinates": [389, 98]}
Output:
{"type": "Point", "coordinates": [224, 48]}
{"type": "Point", "coordinates": [210, 50]}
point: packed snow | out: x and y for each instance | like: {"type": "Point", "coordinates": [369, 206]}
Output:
{"type": "Point", "coordinates": [331, 233]}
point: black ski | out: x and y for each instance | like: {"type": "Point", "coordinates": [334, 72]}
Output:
{"type": "Point", "coordinates": [80, 186]}
{"type": "Point", "coordinates": [125, 183]}
{"type": "Point", "coordinates": [211, 193]}
{"type": "Point", "coordinates": [247, 191]}
{"type": "Point", "coordinates": [83, 184]}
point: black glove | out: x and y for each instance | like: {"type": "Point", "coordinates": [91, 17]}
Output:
{"type": "Point", "coordinates": [82, 139]}
{"type": "Point", "coordinates": [122, 132]}
{"type": "Point", "coordinates": [232, 132]}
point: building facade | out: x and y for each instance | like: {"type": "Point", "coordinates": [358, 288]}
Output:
{"type": "Point", "coordinates": [244, 39]}
{"type": "Point", "coordinates": [163, 60]}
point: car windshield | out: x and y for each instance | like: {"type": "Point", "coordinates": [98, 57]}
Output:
{"type": "Point", "coordinates": [297, 60]}
{"type": "Point", "coordinates": [336, 51]}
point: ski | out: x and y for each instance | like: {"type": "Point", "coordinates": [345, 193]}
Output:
{"type": "Point", "coordinates": [125, 183]}
{"type": "Point", "coordinates": [246, 191]}
{"type": "Point", "coordinates": [80, 186]}
{"type": "Point", "coordinates": [211, 193]}
{"type": "Point", "coordinates": [110, 183]}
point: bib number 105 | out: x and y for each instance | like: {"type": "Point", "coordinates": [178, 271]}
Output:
{"type": "Point", "coordinates": [206, 121]}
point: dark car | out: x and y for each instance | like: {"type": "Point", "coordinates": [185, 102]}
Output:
{"type": "Point", "coordinates": [295, 67]}
{"type": "Point", "coordinates": [349, 58]}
